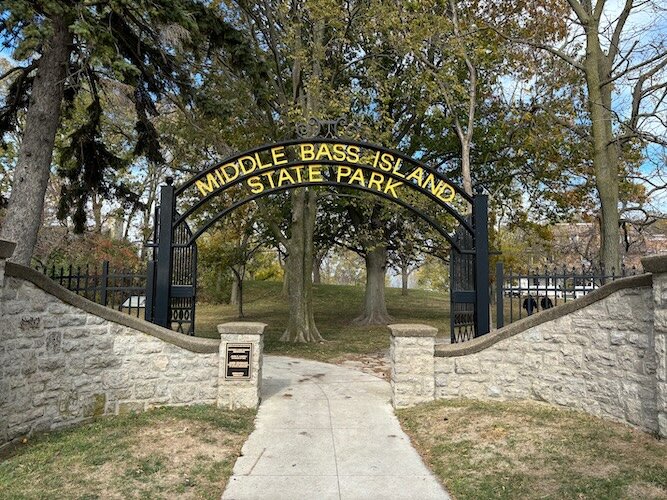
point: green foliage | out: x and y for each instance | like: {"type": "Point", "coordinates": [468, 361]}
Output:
{"type": "Point", "coordinates": [149, 48]}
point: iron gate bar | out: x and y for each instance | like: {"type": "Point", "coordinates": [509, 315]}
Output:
{"type": "Point", "coordinates": [319, 140]}
{"type": "Point", "coordinates": [368, 168]}
{"type": "Point", "coordinates": [480, 221]}
{"type": "Point", "coordinates": [164, 267]}
{"type": "Point", "coordinates": [268, 192]}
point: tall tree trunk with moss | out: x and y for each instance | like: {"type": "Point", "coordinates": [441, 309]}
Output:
{"type": "Point", "coordinates": [299, 269]}
{"type": "Point", "coordinates": [31, 176]}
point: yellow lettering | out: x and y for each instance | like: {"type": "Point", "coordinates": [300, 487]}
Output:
{"type": "Point", "coordinates": [387, 162]}
{"type": "Point", "coordinates": [343, 171]}
{"type": "Point", "coordinates": [284, 175]}
{"type": "Point", "coordinates": [205, 188]}
{"type": "Point", "coordinates": [376, 159]}
{"type": "Point", "coordinates": [430, 179]}
{"type": "Point", "coordinates": [353, 153]}
{"type": "Point", "coordinates": [323, 151]}
{"type": "Point", "coordinates": [358, 176]}
{"type": "Point", "coordinates": [391, 186]}
{"type": "Point", "coordinates": [251, 168]}
{"type": "Point", "coordinates": [307, 152]}
{"type": "Point", "coordinates": [339, 152]}
{"type": "Point", "coordinates": [298, 169]}
{"type": "Point", "coordinates": [278, 155]}
{"type": "Point", "coordinates": [259, 162]}
{"type": "Point", "coordinates": [256, 185]}
{"type": "Point", "coordinates": [418, 174]}
{"type": "Point", "coordinates": [219, 174]}
{"type": "Point", "coordinates": [450, 196]}
{"type": "Point", "coordinates": [235, 171]}
{"type": "Point", "coordinates": [269, 176]}
{"type": "Point", "coordinates": [315, 173]}
{"type": "Point", "coordinates": [376, 180]}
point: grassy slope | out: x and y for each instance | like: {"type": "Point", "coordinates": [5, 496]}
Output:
{"type": "Point", "coordinates": [530, 450]}
{"type": "Point", "coordinates": [335, 307]}
{"type": "Point", "coordinates": [163, 453]}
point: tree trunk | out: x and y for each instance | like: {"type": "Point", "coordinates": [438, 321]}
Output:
{"type": "Point", "coordinates": [299, 269]}
{"type": "Point", "coordinates": [405, 276]}
{"type": "Point", "coordinates": [97, 213]}
{"type": "Point", "coordinates": [26, 203]}
{"type": "Point", "coordinates": [317, 266]}
{"type": "Point", "coordinates": [466, 173]}
{"type": "Point", "coordinates": [375, 307]}
{"type": "Point", "coordinates": [234, 298]}
{"type": "Point", "coordinates": [605, 158]}
{"type": "Point", "coordinates": [240, 299]}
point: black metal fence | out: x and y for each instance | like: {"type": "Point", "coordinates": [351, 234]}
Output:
{"type": "Point", "coordinates": [521, 294]}
{"type": "Point", "coordinates": [124, 291]}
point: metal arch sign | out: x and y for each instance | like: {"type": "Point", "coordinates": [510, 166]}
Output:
{"type": "Point", "coordinates": [320, 161]}
{"type": "Point", "coordinates": [312, 161]}
{"type": "Point", "coordinates": [309, 162]}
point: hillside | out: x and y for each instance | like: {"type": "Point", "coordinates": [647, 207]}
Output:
{"type": "Point", "coordinates": [335, 308]}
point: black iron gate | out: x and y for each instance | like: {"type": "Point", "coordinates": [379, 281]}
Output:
{"type": "Point", "coordinates": [177, 301]}
{"type": "Point", "coordinates": [469, 276]}
{"type": "Point", "coordinates": [171, 293]}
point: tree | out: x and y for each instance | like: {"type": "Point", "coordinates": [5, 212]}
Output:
{"type": "Point", "coordinates": [612, 57]}
{"type": "Point", "coordinates": [70, 48]}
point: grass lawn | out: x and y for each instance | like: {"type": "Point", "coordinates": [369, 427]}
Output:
{"type": "Point", "coordinates": [335, 307]}
{"type": "Point", "coordinates": [530, 450]}
{"type": "Point", "coordinates": [163, 453]}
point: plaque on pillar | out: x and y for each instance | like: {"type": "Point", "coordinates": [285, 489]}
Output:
{"type": "Point", "coordinates": [238, 359]}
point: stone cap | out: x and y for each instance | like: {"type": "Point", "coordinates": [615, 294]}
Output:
{"type": "Point", "coordinates": [6, 249]}
{"type": "Point", "coordinates": [412, 330]}
{"type": "Point", "coordinates": [242, 328]}
{"type": "Point", "coordinates": [655, 263]}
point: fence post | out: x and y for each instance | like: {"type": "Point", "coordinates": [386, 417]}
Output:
{"type": "Point", "coordinates": [162, 297]}
{"type": "Point", "coordinates": [150, 291]}
{"type": "Point", "coordinates": [104, 282]}
{"type": "Point", "coordinates": [480, 220]}
{"type": "Point", "coordinates": [500, 283]}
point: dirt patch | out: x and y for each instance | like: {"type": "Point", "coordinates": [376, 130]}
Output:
{"type": "Point", "coordinates": [376, 364]}
{"type": "Point", "coordinates": [177, 456]}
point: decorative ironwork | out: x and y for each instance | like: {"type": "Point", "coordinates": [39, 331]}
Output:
{"type": "Point", "coordinates": [525, 293]}
{"type": "Point", "coordinates": [326, 129]}
{"type": "Point", "coordinates": [322, 155]}
{"type": "Point", "coordinates": [122, 290]}
{"type": "Point", "coordinates": [462, 288]}
{"type": "Point", "coordinates": [183, 282]}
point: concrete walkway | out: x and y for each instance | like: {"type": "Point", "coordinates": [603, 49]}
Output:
{"type": "Point", "coordinates": [327, 432]}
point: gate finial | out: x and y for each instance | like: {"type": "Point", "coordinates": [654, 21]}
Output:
{"type": "Point", "coordinates": [326, 129]}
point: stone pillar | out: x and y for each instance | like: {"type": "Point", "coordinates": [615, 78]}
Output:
{"type": "Point", "coordinates": [6, 251]}
{"type": "Point", "coordinates": [412, 364]}
{"type": "Point", "coordinates": [657, 266]}
{"type": "Point", "coordinates": [240, 374]}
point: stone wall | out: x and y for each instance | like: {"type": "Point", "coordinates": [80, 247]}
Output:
{"type": "Point", "coordinates": [598, 359]}
{"type": "Point", "coordinates": [604, 353]}
{"type": "Point", "coordinates": [64, 359]}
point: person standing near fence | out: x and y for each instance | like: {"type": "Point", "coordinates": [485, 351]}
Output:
{"type": "Point", "coordinates": [530, 304]}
